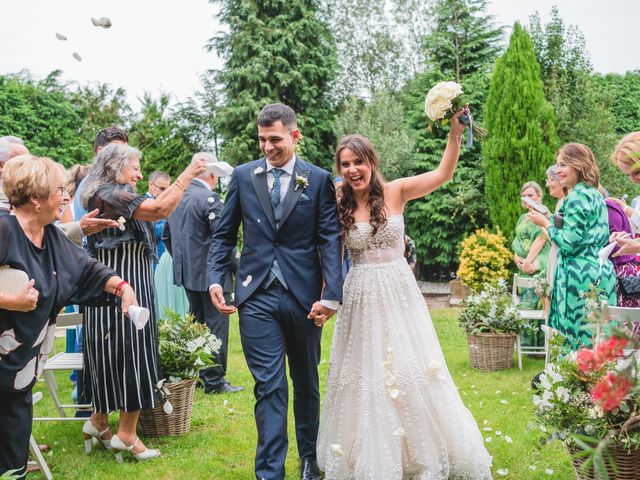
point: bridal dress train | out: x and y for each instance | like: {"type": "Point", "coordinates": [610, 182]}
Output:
{"type": "Point", "coordinates": [391, 410]}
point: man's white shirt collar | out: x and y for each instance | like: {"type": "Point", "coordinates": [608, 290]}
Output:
{"type": "Point", "coordinates": [288, 168]}
{"type": "Point", "coordinates": [204, 183]}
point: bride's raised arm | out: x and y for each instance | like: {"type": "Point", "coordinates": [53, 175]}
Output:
{"type": "Point", "coordinates": [410, 188]}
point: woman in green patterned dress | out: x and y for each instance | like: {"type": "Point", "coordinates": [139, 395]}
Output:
{"type": "Point", "coordinates": [530, 248]}
{"type": "Point", "coordinates": [584, 232]}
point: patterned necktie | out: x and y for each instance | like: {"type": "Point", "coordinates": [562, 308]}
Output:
{"type": "Point", "coordinates": [275, 190]}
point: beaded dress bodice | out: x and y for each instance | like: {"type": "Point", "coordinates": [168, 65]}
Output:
{"type": "Point", "coordinates": [387, 245]}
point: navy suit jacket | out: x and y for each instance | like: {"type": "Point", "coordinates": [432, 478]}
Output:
{"type": "Point", "coordinates": [306, 243]}
{"type": "Point", "coordinates": [187, 235]}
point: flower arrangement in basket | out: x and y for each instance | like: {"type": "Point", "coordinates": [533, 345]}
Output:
{"type": "Point", "coordinates": [484, 259]}
{"type": "Point", "coordinates": [590, 400]}
{"type": "Point", "coordinates": [185, 348]}
{"type": "Point", "coordinates": [492, 322]}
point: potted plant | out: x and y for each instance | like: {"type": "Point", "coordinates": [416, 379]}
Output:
{"type": "Point", "coordinates": [590, 400]}
{"type": "Point", "coordinates": [185, 348]}
{"type": "Point", "coordinates": [492, 323]}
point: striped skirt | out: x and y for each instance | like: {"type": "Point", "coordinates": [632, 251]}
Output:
{"type": "Point", "coordinates": [121, 363]}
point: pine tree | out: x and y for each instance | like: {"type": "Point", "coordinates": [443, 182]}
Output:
{"type": "Point", "coordinates": [462, 47]}
{"type": "Point", "coordinates": [522, 125]}
{"type": "Point", "coordinates": [582, 110]}
{"type": "Point", "coordinates": [275, 51]}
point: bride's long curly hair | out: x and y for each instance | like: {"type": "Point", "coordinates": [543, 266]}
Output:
{"type": "Point", "coordinates": [346, 199]}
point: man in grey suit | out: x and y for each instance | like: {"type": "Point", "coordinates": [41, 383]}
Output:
{"type": "Point", "coordinates": [187, 234]}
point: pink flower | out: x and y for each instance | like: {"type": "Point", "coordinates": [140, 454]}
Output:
{"type": "Point", "coordinates": [587, 361]}
{"type": "Point", "coordinates": [611, 390]}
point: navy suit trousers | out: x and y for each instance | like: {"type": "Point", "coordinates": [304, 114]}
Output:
{"type": "Point", "coordinates": [274, 326]}
{"type": "Point", "coordinates": [201, 307]}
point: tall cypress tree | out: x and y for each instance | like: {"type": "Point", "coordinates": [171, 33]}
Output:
{"type": "Point", "coordinates": [522, 125]}
{"type": "Point", "coordinates": [462, 47]}
{"type": "Point", "coordinates": [274, 50]}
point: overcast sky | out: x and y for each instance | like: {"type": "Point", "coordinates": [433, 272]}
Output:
{"type": "Point", "coordinates": [158, 45]}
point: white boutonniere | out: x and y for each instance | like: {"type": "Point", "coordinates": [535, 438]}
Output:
{"type": "Point", "coordinates": [301, 182]}
{"type": "Point", "coordinates": [258, 171]}
{"type": "Point", "coordinates": [121, 222]}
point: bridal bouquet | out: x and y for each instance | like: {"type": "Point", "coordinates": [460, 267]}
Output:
{"type": "Point", "coordinates": [442, 101]}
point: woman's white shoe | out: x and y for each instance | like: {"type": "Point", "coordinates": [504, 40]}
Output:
{"type": "Point", "coordinates": [120, 446]}
{"type": "Point", "coordinates": [92, 436]}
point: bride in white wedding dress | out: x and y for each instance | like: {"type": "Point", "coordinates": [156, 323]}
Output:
{"type": "Point", "coordinates": [391, 409]}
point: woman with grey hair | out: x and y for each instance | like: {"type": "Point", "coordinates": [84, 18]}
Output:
{"type": "Point", "coordinates": [120, 362]}
{"type": "Point", "coordinates": [556, 190]}
{"type": "Point", "coordinates": [530, 247]}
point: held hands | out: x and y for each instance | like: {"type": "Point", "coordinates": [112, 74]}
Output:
{"type": "Point", "coordinates": [128, 298]}
{"type": "Point", "coordinates": [320, 314]}
{"type": "Point", "coordinates": [457, 127]}
{"type": "Point", "coordinates": [628, 246]}
{"type": "Point", "coordinates": [539, 219]}
{"type": "Point", "coordinates": [25, 300]}
{"type": "Point", "coordinates": [217, 298]}
{"type": "Point", "coordinates": [90, 224]}
{"type": "Point", "coordinates": [197, 166]}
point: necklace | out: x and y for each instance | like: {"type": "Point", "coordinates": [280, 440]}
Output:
{"type": "Point", "coordinates": [35, 238]}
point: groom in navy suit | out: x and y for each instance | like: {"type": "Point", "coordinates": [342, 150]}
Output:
{"type": "Point", "coordinates": [288, 283]}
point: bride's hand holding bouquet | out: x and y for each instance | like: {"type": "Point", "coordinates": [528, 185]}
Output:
{"type": "Point", "coordinates": [443, 101]}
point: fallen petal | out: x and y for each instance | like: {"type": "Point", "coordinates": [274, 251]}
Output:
{"type": "Point", "coordinates": [508, 439]}
{"type": "Point", "coordinates": [400, 432]}
{"type": "Point", "coordinates": [502, 472]}
{"type": "Point", "coordinates": [394, 393]}
{"type": "Point", "coordinates": [337, 449]}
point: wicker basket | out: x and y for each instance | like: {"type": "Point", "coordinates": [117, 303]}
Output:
{"type": "Point", "coordinates": [627, 463]}
{"type": "Point", "coordinates": [154, 422]}
{"type": "Point", "coordinates": [491, 351]}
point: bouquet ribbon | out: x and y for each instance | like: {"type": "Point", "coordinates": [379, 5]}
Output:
{"type": "Point", "coordinates": [467, 119]}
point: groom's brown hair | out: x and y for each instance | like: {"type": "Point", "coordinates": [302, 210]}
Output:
{"type": "Point", "coordinates": [275, 112]}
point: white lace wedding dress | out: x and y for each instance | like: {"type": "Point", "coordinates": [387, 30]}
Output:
{"type": "Point", "coordinates": [391, 410]}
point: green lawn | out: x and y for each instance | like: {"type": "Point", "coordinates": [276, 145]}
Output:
{"type": "Point", "coordinates": [221, 442]}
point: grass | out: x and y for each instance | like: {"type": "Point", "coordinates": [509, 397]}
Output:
{"type": "Point", "coordinates": [221, 443]}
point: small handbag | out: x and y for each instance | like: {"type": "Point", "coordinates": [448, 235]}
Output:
{"type": "Point", "coordinates": [630, 286]}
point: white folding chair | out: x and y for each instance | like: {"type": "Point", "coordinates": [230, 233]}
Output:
{"type": "Point", "coordinates": [63, 361]}
{"type": "Point", "coordinates": [35, 449]}
{"type": "Point", "coordinates": [621, 315]}
{"type": "Point", "coordinates": [540, 315]}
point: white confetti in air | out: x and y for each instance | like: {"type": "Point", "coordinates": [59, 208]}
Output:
{"type": "Point", "coordinates": [77, 56]}
{"type": "Point", "coordinates": [211, 199]}
{"type": "Point", "coordinates": [167, 407]}
{"type": "Point", "coordinates": [508, 439]}
{"type": "Point", "coordinates": [400, 432]}
{"type": "Point", "coordinates": [258, 220]}
{"type": "Point", "coordinates": [212, 216]}
{"type": "Point", "coordinates": [394, 393]}
{"type": "Point", "coordinates": [337, 449]}
{"type": "Point", "coordinates": [503, 472]}
{"type": "Point", "coordinates": [548, 471]}
{"type": "Point", "coordinates": [488, 439]}
{"type": "Point", "coordinates": [59, 36]}
{"type": "Point", "coordinates": [103, 22]}
{"type": "Point", "coordinates": [247, 281]}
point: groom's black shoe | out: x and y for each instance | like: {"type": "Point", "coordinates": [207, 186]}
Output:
{"type": "Point", "coordinates": [309, 469]}
{"type": "Point", "coordinates": [226, 387]}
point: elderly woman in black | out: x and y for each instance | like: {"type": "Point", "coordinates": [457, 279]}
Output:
{"type": "Point", "coordinates": [60, 273]}
{"type": "Point", "coordinates": [121, 363]}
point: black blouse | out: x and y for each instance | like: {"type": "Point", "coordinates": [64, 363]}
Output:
{"type": "Point", "coordinates": [64, 274]}
{"type": "Point", "coordinates": [115, 201]}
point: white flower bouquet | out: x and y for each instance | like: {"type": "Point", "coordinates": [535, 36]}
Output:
{"type": "Point", "coordinates": [443, 100]}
